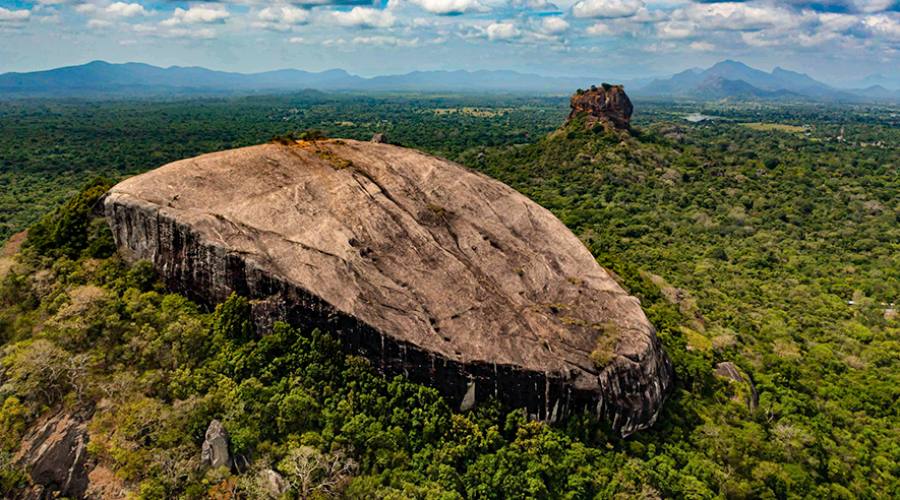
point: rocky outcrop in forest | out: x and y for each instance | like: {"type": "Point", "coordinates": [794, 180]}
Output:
{"type": "Point", "coordinates": [54, 454]}
{"type": "Point", "coordinates": [427, 268]}
{"type": "Point", "coordinates": [606, 104]}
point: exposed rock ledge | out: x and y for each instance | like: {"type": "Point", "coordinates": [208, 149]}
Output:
{"type": "Point", "coordinates": [427, 268]}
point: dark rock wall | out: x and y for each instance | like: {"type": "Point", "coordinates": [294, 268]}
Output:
{"type": "Point", "coordinates": [632, 390]}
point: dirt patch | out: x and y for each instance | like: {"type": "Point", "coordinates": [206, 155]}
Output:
{"type": "Point", "coordinates": [103, 483]}
{"type": "Point", "coordinates": [13, 244]}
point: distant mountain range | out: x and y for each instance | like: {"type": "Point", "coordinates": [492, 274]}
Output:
{"type": "Point", "coordinates": [736, 80]}
{"type": "Point", "coordinates": [725, 80]}
{"type": "Point", "coordinates": [102, 78]}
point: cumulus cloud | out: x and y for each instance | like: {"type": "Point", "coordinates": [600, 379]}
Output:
{"type": "Point", "coordinates": [8, 16]}
{"type": "Point", "coordinates": [450, 7]}
{"type": "Point", "coordinates": [198, 14]}
{"type": "Point", "coordinates": [701, 46]}
{"type": "Point", "coordinates": [280, 18]}
{"type": "Point", "coordinates": [735, 16]}
{"type": "Point", "coordinates": [870, 6]}
{"type": "Point", "coordinates": [502, 31]}
{"type": "Point", "coordinates": [884, 25]}
{"type": "Point", "coordinates": [364, 17]}
{"type": "Point", "coordinates": [606, 8]}
{"type": "Point", "coordinates": [553, 26]}
{"type": "Point", "coordinates": [122, 9]}
{"type": "Point", "coordinates": [671, 30]}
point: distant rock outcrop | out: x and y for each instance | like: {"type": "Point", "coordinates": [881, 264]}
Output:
{"type": "Point", "coordinates": [427, 268]}
{"type": "Point", "coordinates": [607, 104]}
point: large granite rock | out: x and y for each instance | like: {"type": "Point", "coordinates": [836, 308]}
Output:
{"type": "Point", "coordinates": [607, 104]}
{"type": "Point", "coordinates": [427, 268]}
{"type": "Point", "coordinates": [54, 453]}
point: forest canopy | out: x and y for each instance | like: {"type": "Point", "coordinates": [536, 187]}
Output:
{"type": "Point", "coordinates": [776, 250]}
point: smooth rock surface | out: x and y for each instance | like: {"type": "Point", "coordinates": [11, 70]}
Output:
{"type": "Point", "coordinates": [427, 268]}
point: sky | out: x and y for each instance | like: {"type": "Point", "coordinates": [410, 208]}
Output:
{"type": "Point", "coordinates": [835, 40]}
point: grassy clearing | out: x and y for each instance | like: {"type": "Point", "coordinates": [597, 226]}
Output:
{"type": "Point", "coordinates": [477, 112]}
{"type": "Point", "coordinates": [780, 127]}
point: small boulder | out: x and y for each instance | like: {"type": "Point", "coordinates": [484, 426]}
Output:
{"type": "Point", "coordinates": [54, 454]}
{"type": "Point", "coordinates": [272, 484]}
{"type": "Point", "coordinates": [215, 452]}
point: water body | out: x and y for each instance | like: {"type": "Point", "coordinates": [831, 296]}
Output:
{"type": "Point", "coordinates": [698, 117]}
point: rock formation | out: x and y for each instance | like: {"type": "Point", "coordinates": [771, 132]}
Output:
{"type": "Point", "coordinates": [746, 389]}
{"type": "Point", "coordinates": [428, 269]}
{"type": "Point", "coordinates": [54, 454]}
{"type": "Point", "coordinates": [215, 452]}
{"type": "Point", "coordinates": [607, 104]}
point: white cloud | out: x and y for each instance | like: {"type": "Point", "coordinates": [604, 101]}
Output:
{"type": "Point", "coordinates": [734, 16]}
{"type": "Point", "coordinates": [364, 17]}
{"type": "Point", "coordinates": [296, 39]}
{"type": "Point", "coordinates": [86, 8]}
{"type": "Point", "coordinates": [14, 16]}
{"type": "Point", "coordinates": [386, 41]}
{"type": "Point", "coordinates": [162, 30]}
{"type": "Point", "coordinates": [884, 26]}
{"type": "Point", "coordinates": [600, 29]}
{"type": "Point", "coordinates": [553, 26]}
{"type": "Point", "coordinates": [280, 18]}
{"type": "Point", "coordinates": [198, 14]}
{"type": "Point", "coordinates": [98, 24]}
{"type": "Point", "coordinates": [837, 22]}
{"type": "Point", "coordinates": [871, 6]}
{"type": "Point", "coordinates": [122, 9]}
{"type": "Point", "coordinates": [540, 5]}
{"type": "Point", "coordinates": [701, 46]}
{"type": "Point", "coordinates": [502, 31]}
{"type": "Point", "coordinates": [189, 33]}
{"type": "Point", "coordinates": [606, 8]}
{"type": "Point", "coordinates": [675, 29]}
{"type": "Point", "coordinates": [448, 7]}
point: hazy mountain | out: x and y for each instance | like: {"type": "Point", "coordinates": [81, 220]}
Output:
{"type": "Point", "coordinates": [734, 79]}
{"type": "Point", "coordinates": [717, 87]}
{"type": "Point", "coordinates": [724, 80]}
{"type": "Point", "coordinates": [889, 81]}
{"type": "Point", "coordinates": [102, 78]}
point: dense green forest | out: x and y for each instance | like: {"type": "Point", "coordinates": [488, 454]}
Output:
{"type": "Point", "coordinates": [764, 236]}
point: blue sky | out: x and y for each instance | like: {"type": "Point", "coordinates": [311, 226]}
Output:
{"type": "Point", "coordinates": [837, 40]}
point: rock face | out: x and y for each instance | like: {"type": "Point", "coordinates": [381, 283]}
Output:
{"type": "Point", "coordinates": [215, 452]}
{"type": "Point", "coordinates": [607, 104]}
{"type": "Point", "coordinates": [428, 269]}
{"type": "Point", "coordinates": [54, 453]}
{"type": "Point", "coordinates": [748, 395]}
